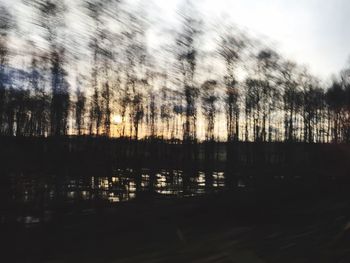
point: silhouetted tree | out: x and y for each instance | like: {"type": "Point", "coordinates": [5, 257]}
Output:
{"type": "Point", "coordinates": [152, 114]}
{"type": "Point", "coordinates": [80, 105]}
{"type": "Point", "coordinates": [95, 11]}
{"type": "Point", "coordinates": [231, 49]}
{"type": "Point", "coordinates": [209, 99]}
{"type": "Point", "coordinates": [335, 101]}
{"type": "Point", "coordinates": [187, 58]}
{"type": "Point", "coordinates": [253, 105]}
{"type": "Point", "coordinates": [107, 95]}
{"type": "Point", "coordinates": [6, 24]}
{"type": "Point", "coordinates": [290, 97]}
{"type": "Point", "coordinates": [277, 99]}
{"type": "Point", "coordinates": [39, 104]}
{"type": "Point", "coordinates": [51, 19]}
{"type": "Point", "coordinates": [267, 63]}
{"type": "Point", "coordinates": [166, 112]}
{"type": "Point", "coordinates": [60, 96]}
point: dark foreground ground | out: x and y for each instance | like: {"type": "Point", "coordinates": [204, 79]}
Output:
{"type": "Point", "coordinates": [199, 229]}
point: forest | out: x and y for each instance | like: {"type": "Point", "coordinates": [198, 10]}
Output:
{"type": "Point", "coordinates": [132, 133]}
{"type": "Point", "coordinates": [103, 76]}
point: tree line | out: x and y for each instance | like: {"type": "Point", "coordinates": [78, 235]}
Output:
{"type": "Point", "coordinates": [91, 69]}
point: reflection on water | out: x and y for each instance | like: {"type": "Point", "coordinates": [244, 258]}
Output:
{"type": "Point", "coordinates": [34, 197]}
{"type": "Point", "coordinates": [43, 192]}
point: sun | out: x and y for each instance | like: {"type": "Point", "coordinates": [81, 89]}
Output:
{"type": "Point", "coordinates": [117, 119]}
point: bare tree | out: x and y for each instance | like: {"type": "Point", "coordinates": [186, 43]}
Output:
{"type": "Point", "coordinates": [6, 24]}
{"type": "Point", "coordinates": [290, 94]}
{"type": "Point", "coordinates": [231, 49]}
{"type": "Point", "coordinates": [335, 101]}
{"type": "Point", "coordinates": [209, 99]}
{"type": "Point", "coordinates": [51, 19]}
{"type": "Point", "coordinates": [267, 63]}
{"type": "Point", "coordinates": [80, 105]}
{"type": "Point", "coordinates": [187, 59]}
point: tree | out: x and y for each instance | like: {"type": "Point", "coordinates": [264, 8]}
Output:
{"type": "Point", "coordinates": [253, 105]}
{"type": "Point", "coordinates": [51, 19]}
{"type": "Point", "coordinates": [60, 96]}
{"type": "Point", "coordinates": [290, 98]}
{"type": "Point", "coordinates": [80, 109]}
{"type": "Point", "coordinates": [267, 66]}
{"type": "Point", "coordinates": [39, 104]}
{"type": "Point", "coordinates": [187, 62]}
{"type": "Point", "coordinates": [231, 49]}
{"type": "Point", "coordinates": [95, 11]}
{"type": "Point", "coordinates": [6, 24]}
{"type": "Point", "coordinates": [208, 106]}
{"type": "Point", "coordinates": [165, 112]}
{"type": "Point", "coordinates": [335, 102]}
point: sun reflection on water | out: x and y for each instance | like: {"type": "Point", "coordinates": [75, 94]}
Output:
{"type": "Point", "coordinates": [123, 185]}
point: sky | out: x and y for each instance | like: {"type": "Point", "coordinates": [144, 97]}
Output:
{"type": "Point", "coordinates": [315, 33]}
